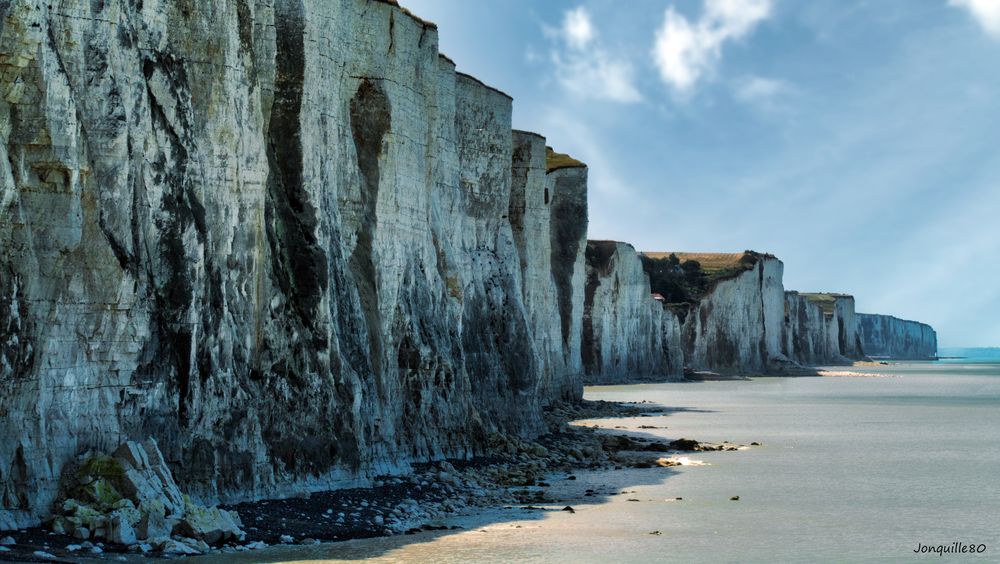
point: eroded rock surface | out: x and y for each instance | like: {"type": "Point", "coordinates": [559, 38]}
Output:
{"type": "Point", "coordinates": [274, 237]}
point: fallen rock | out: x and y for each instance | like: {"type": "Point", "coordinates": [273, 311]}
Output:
{"type": "Point", "coordinates": [146, 476]}
{"type": "Point", "coordinates": [569, 509]}
{"type": "Point", "coordinates": [734, 498]}
{"type": "Point", "coordinates": [210, 524]}
{"type": "Point", "coordinates": [121, 530]}
{"type": "Point", "coordinates": [153, 522]}
{"type": "Point", "coordinates": [171, 546]}
{"type": "Point", "coordinates": [132, 496]}
{"type": "Point", "coordinates": [684, 444]}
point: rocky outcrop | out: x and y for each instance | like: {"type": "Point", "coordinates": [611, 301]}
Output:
{"type": "Point", "coordinates": [820, 329]}
{"type": "Point", "coordinates": [131, 497]}
{"type": "Point", "coordinates": [885, 336]}
{"type": "Point", "coordinates": [736, 326]}
{"type": "Point", "coordinates": [274, 237]}
{"type": "Point", "coordinates": [627, 335]}
{"type": "Point", "coordinates": [548, 210]}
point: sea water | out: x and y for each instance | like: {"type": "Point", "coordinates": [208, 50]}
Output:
{"type": "Point", "coordinates": [850, 470]}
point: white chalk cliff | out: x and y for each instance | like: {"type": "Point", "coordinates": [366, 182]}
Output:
{"type": "Point", "coordinates": [885, 336]}
{"type": "Point", "coordinates": [627, 335]}
{"type": "Point", "coordinates": [290, 243]}
{"type": "Point", "coordinates": [737, 325]}
{"type": "Point", "coordinates": [272, 236]}
{"type": "Point", "coordinates": [820, 329]}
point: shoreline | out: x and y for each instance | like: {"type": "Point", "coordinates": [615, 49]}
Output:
{"type": "Point", "coordinates": [521, 475]}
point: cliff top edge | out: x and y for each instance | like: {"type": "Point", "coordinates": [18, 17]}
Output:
{"type": "Point", "coordinates": [555, 161]}
{"type": "Point", "coordinates": [712, 260]}
{"type": "Point", "coordinates": [483, 84]}
{"type": "Point", "coordinates": [406, 11]}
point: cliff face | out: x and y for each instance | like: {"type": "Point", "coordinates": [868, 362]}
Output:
{"type": "Point", "coordinates": [548, 211]}
{"type": "Point", "coordinates": [737, 325]}
{"type": "Point", "coordinates": [819, 328]}
{"type": "Point", "coordinates": [884, 336]}
{"type": "Point", "coordinates": [627, 335]}
{"type": "Point", "coordinates": [274, 237]}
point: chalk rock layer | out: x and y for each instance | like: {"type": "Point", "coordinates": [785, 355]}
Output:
{"type": "Point", "coordinates": [885, 336]}
{"type": "Point", "coordinates": [627, 335]}
{"type": "Point", "coordinates": [272, 236]}
{"type": "Point", "coordinates": [737, 325]}
{"type": "Point", "coordinates": [820, 329]}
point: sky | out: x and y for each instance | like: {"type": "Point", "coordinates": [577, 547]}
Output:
{"type": "Point", "coordinates": [859, 141]}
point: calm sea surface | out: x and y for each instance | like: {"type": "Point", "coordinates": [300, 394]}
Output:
{"type": "Point", "coordinates": [852, 469]}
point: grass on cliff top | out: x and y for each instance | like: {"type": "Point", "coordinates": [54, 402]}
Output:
{"type": "Point", "coordinates": [556, 161]}
{"type": "Point", "coordinates": [826, 302]}
{"type": "Point", "coordinates": [716, 265]}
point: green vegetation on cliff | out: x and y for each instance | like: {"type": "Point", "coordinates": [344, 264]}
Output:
{"type": "Point", "coordinates": [684, 278]}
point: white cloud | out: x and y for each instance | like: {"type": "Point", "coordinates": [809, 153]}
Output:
{"type": "Point", "coordinates": [583, 66]}
{"type": "Point", "coordinates": [986, 12]}
{"type": "Point", "coordinates": [577, 28]}
{"type": "Point", "coordinates": [767, 94]}
{"type": "Point", "coordinates": [684, 51]}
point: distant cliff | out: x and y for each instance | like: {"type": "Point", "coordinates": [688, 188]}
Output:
{"type": "Point", "coordinates": [820, 329]}
{"type": "Point", "coordinates": [733, 321]}
{"type": "Point", "coordinates": [884, 336]}
{"type": "Point", "coordinates": [627, 335]}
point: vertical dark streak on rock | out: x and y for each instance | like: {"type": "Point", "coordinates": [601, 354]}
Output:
{"type": "Point", "coordinates": [567, 231]}
{"type": "Point", "coordinates": [125, 259]}
{"type": "Point", "coordinates": [841, 334]}
{"type": "Point", "coordinates": [370, 121]}
{"type": "Point", "coordinates": [392, 31]}
{"type": "Point", "coordinates": [245, 24]}
{"type": "Point", "coordinates": [175, 296]}
{"type": "Point", "coordinates": [597, 256]}
{"type": "Point", "coordinates": [762, 344]}
{"type": "Point", "coordinates": [299, 262]}
{"type": "Point", "coordinates": [590, 350]}
{"type": "Point", "coordinates": [16, 350]}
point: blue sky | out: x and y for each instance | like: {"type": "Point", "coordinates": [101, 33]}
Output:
{"type": "Point", "coordinates": [859, 141]}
